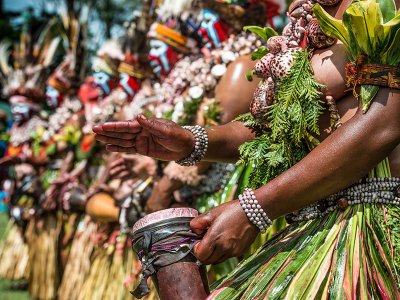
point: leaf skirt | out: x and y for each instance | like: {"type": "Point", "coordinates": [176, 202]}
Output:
{"type": "Point", "coordinates": [351, 254]}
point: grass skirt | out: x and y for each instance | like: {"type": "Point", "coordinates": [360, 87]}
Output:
{"type": "Point", "coordinates": [351, 254]}
{"type": "Point", "coordinates": [14, 255]}
{"type": "Point", "coordinates": [78, 264]}
{"type": "Point", "coordinates": [114, 272]}
{"type": "Point", "coordinates": [42, 236]}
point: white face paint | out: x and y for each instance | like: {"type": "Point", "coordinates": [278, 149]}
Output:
{"type": "Point", "coordinates": [101, 79]}
{"type": "Point", "coordinates": [158, 56]}
{"type": "Point", "coordinates": [21, 112]}
{"type": "Point", "coordinates": [52, 96]}
{"type": "Point", "coordinates": [208, 21]}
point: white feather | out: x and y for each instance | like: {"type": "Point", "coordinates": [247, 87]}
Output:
{"type": "Point", "coordinates": [173, 8]}
{"type": "Point", "coordinates": [51, 51]}
{"type": "Point", "coordinates": [111, 49]}
{"type": "Point", "coordinates": [4, 53]}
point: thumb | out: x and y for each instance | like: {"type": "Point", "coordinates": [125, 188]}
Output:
{"type": "Point", "coordinates": [201, 223]}
{"type": "Point", "coordinates": [156, 127]}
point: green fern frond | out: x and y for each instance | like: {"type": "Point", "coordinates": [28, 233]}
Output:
{"type": "Point", "coordinates": [293, 121]}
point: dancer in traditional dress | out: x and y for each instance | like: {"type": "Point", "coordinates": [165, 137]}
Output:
{"type": "Point", "coordinates": [24, 82]}
{"type": "Point", "coordinates": [342, 242]}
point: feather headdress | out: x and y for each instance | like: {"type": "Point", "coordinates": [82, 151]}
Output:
{"type": "Point", "coordinates": [73, 28]}
{"type": "Point", "coordinates": [26, 65]}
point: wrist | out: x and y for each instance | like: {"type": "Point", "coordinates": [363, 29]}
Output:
{"type": "Point", "coordinates": [253, 210]}
{"type": "Point", "coordinates": [246, 222]}
{"type": "Point", "coordinates": [199, 134]}
{"type": "Point", "coordinates": [191, 142]}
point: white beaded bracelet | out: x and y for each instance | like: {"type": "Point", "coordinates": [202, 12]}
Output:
{"type": "Point", "coordinates": [253, 210]}
{"type": "Point", "coordinates": [200, 146]}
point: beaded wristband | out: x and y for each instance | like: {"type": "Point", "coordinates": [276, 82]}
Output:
{"type": "Point", "coordinates": [253, 210]}
{"type": "Point", "coordinates": [200, 147]}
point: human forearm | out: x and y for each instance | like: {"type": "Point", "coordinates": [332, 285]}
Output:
{"type": "Point", "coordinates": [224, 141]}
{"type": "Point", "coordinates": [340, 160]}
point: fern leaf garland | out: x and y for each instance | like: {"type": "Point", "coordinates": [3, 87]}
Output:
{"type": "Point", "coordinates": [293, 120]}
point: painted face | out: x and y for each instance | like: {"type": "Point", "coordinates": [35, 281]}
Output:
{"type": "Point", "coordinates": [21, 112]}
{"type": "Point", "coordinates": [130, 84]}
{"type": "Point", "coordinates": [97, 86]}
{"type": "Point", "coordinates": [212, 28]}
{"type": "Point", "coordinates": [53, 97]}
{"type": "Point", "coordinates": [162, 57]}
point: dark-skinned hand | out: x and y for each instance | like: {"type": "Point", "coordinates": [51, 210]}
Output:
{"type": "Point", "coordinates": [227, 233]}
{"type": "Point", "coordinates": [158, 200]}
{"type": "Point", "coordinates": [121, 168]}
{"type": "Point", "coordinates": [158, 138]}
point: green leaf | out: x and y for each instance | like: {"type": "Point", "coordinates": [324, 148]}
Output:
{"type": "Point", "coordinates": [259, 53]}
{"type": "Point", "coordinates": [363, 17]}
{"type": "Point", "coordinates": [388, 9]}
{"type": "Point", "coordinates": [368, 93]}
{"type": "Point", "coordinates": [249, 75]}
{"type": "Point", "coordinates": [390, 28]}
{"type": "Point", "coordinates": [392, 55]}
{"type": "Point", "coordinates": [331, 26]}
{"type": "Point", "coordinates": [269, 31]}
{"type": "Point", "coordinates": [264, 33]}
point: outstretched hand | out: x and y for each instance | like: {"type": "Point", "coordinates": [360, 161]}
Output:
{"type": "Point", "coordinates": [154, 137]}
{"type": "Point", "coordinates": [227, 233]}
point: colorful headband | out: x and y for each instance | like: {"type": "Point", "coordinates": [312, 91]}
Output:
{"type": "Point", "coordinates": [170, 36]}
{"type": "Point", "coordinates": [57, 84]}
{"type": "Point", "coordinates": [107, 65]}
{"type": "Point", "coordinates": [130, 70]}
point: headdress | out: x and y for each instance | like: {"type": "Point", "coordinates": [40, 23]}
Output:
{"type": "Point", "coordinates": [108, 58]}
{"type": "Point", "coordinates": [70, 72]}
{"type": "Point", "coordinates": [25, 69]}
{"type": "Point", "coordinates": [173, 37]}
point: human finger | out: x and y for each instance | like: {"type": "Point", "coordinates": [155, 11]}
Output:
{"type": "Point", "coordinates": [125, 175]}
{"type": "Point", "coordinates": [204, 249]}
{"type": "Point", "coordinates": [115, 141]}
{"type": "Point", "coordinates": [116, 170]}
{"type": "Point", "coordinates": [157, 127]}
{"type": "Point", "coordinates": [116, 163]}
{"type": "Point", "coordinates": [131, 126]}
{"type": "Point", "coordinates": [200, 224]}
{"type": "Point", "coordinates": [120, 135]}
{"type": "Point", "coordinates": [115, 148]}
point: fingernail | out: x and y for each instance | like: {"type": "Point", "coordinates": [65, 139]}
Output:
{"type": "Point", "coordinates": [142, 117]}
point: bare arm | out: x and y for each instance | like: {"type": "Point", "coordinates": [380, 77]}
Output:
{"type": "Point", "coordinates": [165, 140]}
{"type": "Point", "coordinates": [340, 160]}
{"type": "Point", "coordinates": [224, 141]}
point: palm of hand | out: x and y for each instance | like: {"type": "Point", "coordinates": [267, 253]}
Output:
{"type": "Point", "coordinates": [157, 138]}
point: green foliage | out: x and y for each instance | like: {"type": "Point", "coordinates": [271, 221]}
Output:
{"type": "Point", "coordinates": [190, 108]}
{"type": "Point", "coordinates": [249, 121]}
{"type": "Point", "coordinates": [298, 108]}
{"type": "Point", "coordinates": [259, 53]}
{"type": "Point", "coordinates": [369, 27]}
{"type": "Point", "coordinates": [293, 121]}
{"type": "Point", "coordinates": [249, 75]}
{"type": "Point", "coordinates": [168, 114]}
{"type": "Point", "coordinates": [264, 33]}
{"type": "Point", "coordinates": [212, 113]}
